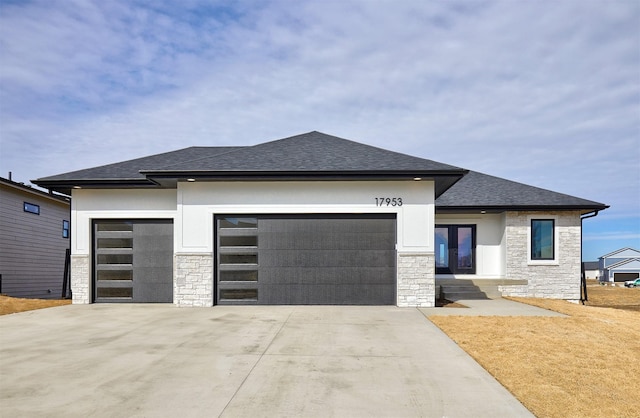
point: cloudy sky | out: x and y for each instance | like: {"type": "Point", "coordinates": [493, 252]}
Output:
{"type": "Point", "coordinates": [542, 92]}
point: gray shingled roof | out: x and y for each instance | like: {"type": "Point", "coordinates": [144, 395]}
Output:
{"type": "Point", "coordinates": [591, 265]}
{"type": "Point", "coordinates": [313, 151]}
{"type": "Point", "coordinates": [313, 155]}
{"type": "Point", "coordinates": [129, 170]}
{"type": "Point", "coordinates": [481, 191]}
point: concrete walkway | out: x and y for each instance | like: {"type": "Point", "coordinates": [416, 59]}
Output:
{"type": "Point", "coordinates": [163, 361]}
{"type": "Point", "coordinates": [491, 307]}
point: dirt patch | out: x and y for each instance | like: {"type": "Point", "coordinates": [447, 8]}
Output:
{"type": "Point", "coordinates": [9, 305]}
{"type": "Point", "coordinates": [584, 365]}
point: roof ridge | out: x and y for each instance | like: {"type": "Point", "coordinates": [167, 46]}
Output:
{"type": "Point", "coordinates": [619, 251]}
{"type": "Point", "coordinates": [236, 148]}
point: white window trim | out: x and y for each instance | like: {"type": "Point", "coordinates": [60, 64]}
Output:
{"type": "Point", "coordinates": [556, 242]}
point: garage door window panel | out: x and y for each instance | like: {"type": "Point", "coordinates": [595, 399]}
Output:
{"type": "Point", "coordinates": [237, 259]}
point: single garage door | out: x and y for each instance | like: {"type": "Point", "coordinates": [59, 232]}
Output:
{"type": "Point", "coordinates": [133, 261]}
{"type": "Point", "coordinates": [306, 259]}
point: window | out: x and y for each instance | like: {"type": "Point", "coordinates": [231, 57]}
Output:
{"type": "Point", "coordinates": [31, 208]}
{"type": "Point", "coordinates": [542, 239]}
{"type": "Point", "coordinates": [65, 229]}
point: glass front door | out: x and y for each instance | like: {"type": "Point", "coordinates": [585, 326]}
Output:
{"type": "Point", "coordinates": [455, 249]}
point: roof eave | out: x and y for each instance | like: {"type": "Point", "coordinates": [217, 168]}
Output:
{"type": "Point", "coordinates": [504, 208]}
{"type": "Point", "coordinates": [444, 178]}
{"type": "Point", "coordinates": [65, 186]}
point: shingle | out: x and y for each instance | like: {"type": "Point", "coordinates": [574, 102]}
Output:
{"type": "Point", "coordinates": [131, 169]}
{"type": "Point", "coordinates": [313, 151]}
{"type": "Point", "coordinates": [478, 190]}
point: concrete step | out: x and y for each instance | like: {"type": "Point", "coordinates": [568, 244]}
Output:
{"type": "Point", "coordinates": [453, 296]}
{"type": "Point", "coordinates": [457, 289]}
{"type": "Point", "coordinates": [461, 288]}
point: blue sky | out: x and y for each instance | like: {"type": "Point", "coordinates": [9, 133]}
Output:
{"type": "Point", "coordinates": [542, 92]}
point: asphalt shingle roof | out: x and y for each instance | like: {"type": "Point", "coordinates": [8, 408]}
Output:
{"type": "Point", "coordinates": [478, 190]}
{"type": "Point", "coordinates": [128, 170]}
{"type": "Point", "coordinates": [313, 151]}
{"type": "Point", "coordinates": [317, 154]}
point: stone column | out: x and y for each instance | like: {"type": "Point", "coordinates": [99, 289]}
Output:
{"type": "Point", "coordinates": [193, 280]}
{"type": "Point", "coordinates": [416, 280]}
{"type": "Point", "coordinates": [80, 279]}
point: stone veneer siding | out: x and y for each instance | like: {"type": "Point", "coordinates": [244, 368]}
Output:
{"type": "Point", "coordinates": [193, 280]}
{"type": "Point", "coordinates": [80, 279]}
{"type": "Point", "coordinates": [557, 281]}
{"type": "Point", "coordinates": [416, 280]}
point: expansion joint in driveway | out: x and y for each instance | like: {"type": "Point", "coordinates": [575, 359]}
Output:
{"type": "Point", "coordinates": [256, 363]}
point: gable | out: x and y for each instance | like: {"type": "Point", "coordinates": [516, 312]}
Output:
{"type": "Point", "coordinates": [626, 265]}
{"type": "Point", "coordinates": [623, 253]}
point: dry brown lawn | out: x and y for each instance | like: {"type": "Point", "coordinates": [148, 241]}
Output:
{"type": "Point", "coordinates": [9, 305]}
{"type": "Point", "coordinates": [584, 365]}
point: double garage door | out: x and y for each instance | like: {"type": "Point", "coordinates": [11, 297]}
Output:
{"type": "Point", "coordinates": [298, 259]}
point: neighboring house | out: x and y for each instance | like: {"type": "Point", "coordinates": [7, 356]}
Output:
{"type": "Point", "coordinates": [34, 237]}
{"type": "Point", "coordinates": [312, 219]}
{"type": "Point", "coordinates": [591, 270]}
{"type": "Point", "coordinates": [620, 265]}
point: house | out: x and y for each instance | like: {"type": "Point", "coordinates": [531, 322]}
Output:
{"type": "Point", "coordinates": [620, 265]}
{"type": "Point", "coordinates": [312, 219]}
{"type": "Point", "coordinates": [591, 270]}
{"type": "Point", "coordinates": [34, 237]}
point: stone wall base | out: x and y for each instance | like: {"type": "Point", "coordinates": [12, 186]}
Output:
{"type": "Point", "coordinates": [193, 280]}
{"type": "Point", "coordinates": [80, 279]}
{"type": "Point", "coordinates": [416, 280]}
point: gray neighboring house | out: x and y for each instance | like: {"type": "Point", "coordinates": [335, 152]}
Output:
{"type": "Point", "coordinates": [313, 219]}
{"type": "Point", "coordinates": [34, 236]}
{"type": "Point", "coordinates": [620, 265]}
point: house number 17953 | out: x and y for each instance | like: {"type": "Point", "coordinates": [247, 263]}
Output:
{"type": "Point", "coordinates": [388, 201]}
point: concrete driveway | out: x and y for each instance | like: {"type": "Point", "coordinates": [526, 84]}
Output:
{"type": "Point", "coordinates": [160, 360]}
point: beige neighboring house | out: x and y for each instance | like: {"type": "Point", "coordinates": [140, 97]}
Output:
{"type": "Point", "coordinates": [591, 270]}
{"type": "Point", "coordinates": [34, 236]}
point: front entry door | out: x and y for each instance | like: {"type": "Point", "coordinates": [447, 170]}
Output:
{"type": "Point", "coordinates": [455, 249]}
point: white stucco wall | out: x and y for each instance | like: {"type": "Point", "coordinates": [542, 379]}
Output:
{"type": "Point", "coordinates": [490, 243]}
{"type": "Point", "coordinates": [114, 204]}
{"type": "Point", "coordinates": [198, 202]}
{"type": "Point", "coordinates": [193, 205]}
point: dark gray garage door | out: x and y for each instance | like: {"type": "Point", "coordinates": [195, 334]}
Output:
{"type": "Point", "coordinates": [133, 261]}
{"type": "Point", "coordinates": [623, 277]}
{"type": "Point", "coordinates": [319, 259]}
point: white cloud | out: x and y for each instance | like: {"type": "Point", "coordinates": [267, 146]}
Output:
{"type": "Point", "coordinates": [543, 93]}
